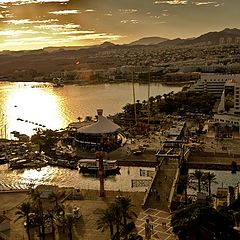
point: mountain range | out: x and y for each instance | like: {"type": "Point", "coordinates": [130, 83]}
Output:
{"type": "Point", "coordinates": [211, 38]}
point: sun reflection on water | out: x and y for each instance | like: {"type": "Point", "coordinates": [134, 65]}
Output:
{"type": "Point", "coordinates": [34, 175]}
{"type": "Point", "coordinates": [35, 106]}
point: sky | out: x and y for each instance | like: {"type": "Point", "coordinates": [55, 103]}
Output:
{"type": "Point", "coordinates": [35, 24]}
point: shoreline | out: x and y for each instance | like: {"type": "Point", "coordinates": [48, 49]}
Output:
{"type": "Point", "coordinates": [87, 83]}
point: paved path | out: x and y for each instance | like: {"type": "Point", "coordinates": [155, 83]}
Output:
{"type": "Point", "coordinates": [161, 222]}
{"type": "Point", "coordinates": [161, 187]}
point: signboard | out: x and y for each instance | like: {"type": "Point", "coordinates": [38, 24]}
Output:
{"type": "Point", "coordinates": [141, 182]}
{"type": "Point", "coordinates": [146, 173]}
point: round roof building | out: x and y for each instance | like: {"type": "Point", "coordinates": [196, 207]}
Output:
{"type": "Point", "coordinates": [102, 135]}
{"type": "Point", "coordinates": [102, 126]}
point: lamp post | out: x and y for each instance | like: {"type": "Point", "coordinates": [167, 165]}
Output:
{"type": "Point", "coordinates": [100, 155]}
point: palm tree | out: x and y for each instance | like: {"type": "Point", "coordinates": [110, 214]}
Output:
{"type": "Point", "coordinates": [116, 208]}
{"type": "Point", "coordinates": [56, 197]}
{"type": "Point", "coordinates": [209, 178]}
{"type": "Point", "coordinates": [201, 221]}
{"type": "Point", "coordinates": [126, 211]}
{"type": "Point", "coordinates": [23, 212]}
{"type": "Point", "coordinates": [36, 196]}
{"type": "Point", "coordinates": [50, 215]}
{"type": "Point", "coordinates": [198, 174]}
{"type": "Point", "coordinates": [107, 219]}
{"type": "Point", "coordinates": [69, 221]}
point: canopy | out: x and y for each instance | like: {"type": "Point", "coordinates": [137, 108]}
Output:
{"type": "Point", "coordinates": [102, 126]}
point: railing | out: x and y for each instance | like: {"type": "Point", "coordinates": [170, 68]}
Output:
{"type": "Point", "coordinates": [173, 189]}
{"type": "Point", "coordinates": [3, 236]}
{"type": "Point", "coordinates": [150, 186]}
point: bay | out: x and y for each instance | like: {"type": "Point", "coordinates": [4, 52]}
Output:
{"type": "Point", "coordinates": [40, 104]}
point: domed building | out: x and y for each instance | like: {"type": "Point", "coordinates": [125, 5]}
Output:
{"type": "Point", "coordinates": [103, 135]}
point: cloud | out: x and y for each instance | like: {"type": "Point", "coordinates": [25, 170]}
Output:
{"type": "Point", "coordinates": [133, 21]}
{"type": "Point", "coordinates": [34, 42]}
{"type": "Point", "coordinates": [102, 36]}
{"type": "Point", "coordinates": [172, 2]}
{"type": "Point", "coordinates": [128, 11]}
{"type": "Point", "coordinates": [21, 2]}
{"type": "Point", "coordinates": [219, 5]}
{"type": "Point", "coordinates": [108, 14]}
{"type": "Point", "coordinates": [203, 3]}
{"type": "Point", "coordinates": [58, 27]}
{"type": "Point", "coordinates": [160, 22]}
{"type": "Point", "coordinates": [65, 12]}
{"type": "Point", "coordinates": [5, 14]}
{"type": "Point", "coordinates": [89, 10]}
{"type": "Point", "coordinates": [28, 21]}
{"type": "Point", "coordinates": [74, 32]}
{"type": "Point", "coordinates": [15, 33]}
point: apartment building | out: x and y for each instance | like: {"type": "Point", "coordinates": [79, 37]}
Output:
{"type": "Point", "coordinates": [213, 83]}
{"type": "Point", "coordinates": [229, 107]}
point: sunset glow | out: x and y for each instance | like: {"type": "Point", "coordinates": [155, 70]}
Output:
{"type": "Point", "coordinates": [35, 24]}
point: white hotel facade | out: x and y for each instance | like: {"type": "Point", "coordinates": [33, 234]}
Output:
{"type": "Point", "coordinates": [228, 87]}
{"type": "Point", "coordinates": [213, 83]}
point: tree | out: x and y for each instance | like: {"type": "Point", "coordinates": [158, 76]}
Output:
{"type": "Point", "coordinates": [198, 174]}
{"type": "Point", "coordinates": [23, 212]}
{"type": "Point", "coordinates": [107, 219]}
{"type": "Point", "coordinates": [56, 196]}
{"type": "Point", "coordinates": [200, 220]}
{"type": "Point", "coordinates": [36, 196]}
{"type": "Point", "coordinates": [126, 211]}
{"type": "Point", "coordinates": [46, 139]}
{"type": "Point", "coordinates": [69, 221]}
{"type": "Point", "coordinates": [209, 178]}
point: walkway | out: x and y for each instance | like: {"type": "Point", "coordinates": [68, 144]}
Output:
{"type": "Point", "coordinates": [159, 193]}
{"type": "Point", "coordinates": [161, 222]}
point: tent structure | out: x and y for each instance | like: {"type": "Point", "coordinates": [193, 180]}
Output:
{"type": "Point", "coordinates": [100, 135]}
{"type": "Point", "coordinates": [102, 126]}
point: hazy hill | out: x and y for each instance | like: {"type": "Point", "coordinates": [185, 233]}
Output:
{"type": "Point", "coordinates": [148, 41]}
{"type": "Point", "coordinates": [207, 38]}
{"type": "Point", "coordinates": [107, 44]}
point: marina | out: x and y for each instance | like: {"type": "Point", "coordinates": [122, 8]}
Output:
{"type": "Point", "coordinates": [64, 177]}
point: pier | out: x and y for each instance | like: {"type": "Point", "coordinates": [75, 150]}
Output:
{"type": "Point", "coordinates": [213, 161]}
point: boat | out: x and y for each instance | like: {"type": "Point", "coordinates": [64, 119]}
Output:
{"type": "Point", "coordinates": [57, 82]}
{"type": "Point", "coordinates": [91, 166]}
{"type": "Point", "coordinates": [26, 163]}
{"type": "Point", "coordinates": [3, 158]}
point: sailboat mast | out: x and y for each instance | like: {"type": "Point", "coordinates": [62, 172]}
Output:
{"type": "Point", "coordinates": [134, 100]}
{"type": "Point", "coordinates": [148, 95]}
